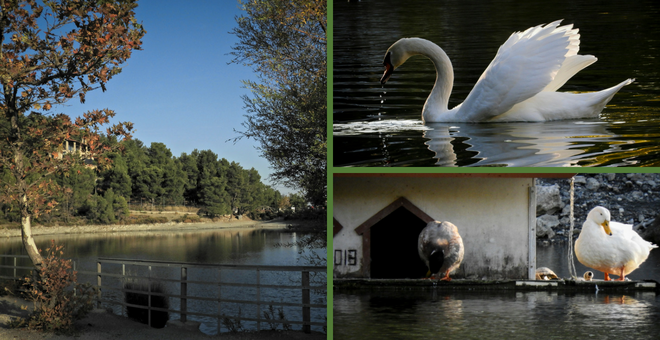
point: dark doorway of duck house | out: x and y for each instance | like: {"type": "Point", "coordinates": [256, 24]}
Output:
{"type": "Point", "coordinates": [394, 246]}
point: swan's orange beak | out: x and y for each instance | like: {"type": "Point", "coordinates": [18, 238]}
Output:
{"type": "Point", "coordinates": [606, 226]}
{"type": "Point", "coordinates": [388, 69]}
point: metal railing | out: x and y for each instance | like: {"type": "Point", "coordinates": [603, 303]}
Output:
{"type": "Point", "coordinates": [14, 267]}
{"type": "Point", "coordinates": [109, 280]}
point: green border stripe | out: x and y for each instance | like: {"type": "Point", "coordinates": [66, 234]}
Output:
{"type": "Point", "coordinates": [330, 165]}
{"type": "Point", "coordinates": [477, 170]}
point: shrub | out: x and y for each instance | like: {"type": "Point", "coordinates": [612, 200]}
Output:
{"type": "Point", "coordinates": [105, 209]}
{"type": "Point", "coordinates": [10, 287]}
{"type": "Point", "coordinates": [270, 317]}
{"type": "Point", "coordinates": [305, 214]}
{"type": "Point", "coordinates": [187, 219]}
{"type": "Point", "coordinates": [233, 325]}
{"type": "Point", "coordinates": [145, 219]}
{"type": "Point", "coordinates": [158, 318]}
{"type": "Point", "coordinates": [120, 208]}
{"type": "Point", "coordinates": [58, 300]}
{"type": "Point", "coordinates": [212, 211]}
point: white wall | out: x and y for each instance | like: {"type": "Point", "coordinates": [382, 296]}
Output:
{"type": "Point", "coordinates": [492, 215]}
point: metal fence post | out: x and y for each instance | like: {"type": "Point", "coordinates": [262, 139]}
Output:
{"type": "Point", "coordinates": [98, 283]}
{"type": "Point", "coordinates": [219, 299]}
{"type": "Point", "coordinates": [307, 328]}
{"type": "Point", "coordinates": [75, 292]}
{"type": "Point", "coordinates": [15, 258]}
{"type": "Point", "coordinates": [124, 309]}
{"type": "Point", "coordinates": [149, 299]}
{"type": "Point", "coordinates": [184, 288]}
{"type": "Point", "coordinates": [258, 300]}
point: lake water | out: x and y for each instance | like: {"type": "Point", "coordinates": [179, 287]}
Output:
{"type": "Point", "coordinates": [423, 314]}
{"type": "Point", "coordinates": [245, 246]}
{"type": "Point", "coordinates": [377, 125]}
{"type": "Point", "coordinates": [430, 314]}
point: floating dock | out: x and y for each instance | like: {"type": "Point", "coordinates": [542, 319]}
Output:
{"type": "Point", "coordinates": [515, 285]}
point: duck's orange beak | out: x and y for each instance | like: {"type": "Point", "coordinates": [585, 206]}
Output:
{"type": "Point", "coordinates": [606, 226]}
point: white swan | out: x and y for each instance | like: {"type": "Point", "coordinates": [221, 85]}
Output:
{"type": "Point", "coordinates": [518, 85]}
{"type": "Point", "coordinates": [440, 246]}
{"type": "Point", "coordinates": [611, 247]}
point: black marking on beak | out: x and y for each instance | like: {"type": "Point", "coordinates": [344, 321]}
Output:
{"type": "Point", "coordinates": [388, 69]}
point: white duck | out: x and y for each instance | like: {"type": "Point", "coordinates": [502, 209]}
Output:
{"type": "Point", "coordinates": [611, 247]}
{"type": "Point", "coordinates": [518, 85]}
{"type": "Point", "coordinates": [440, 246]}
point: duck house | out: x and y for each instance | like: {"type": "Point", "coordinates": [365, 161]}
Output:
{"type": "Point", "coordinates": [378, 218]}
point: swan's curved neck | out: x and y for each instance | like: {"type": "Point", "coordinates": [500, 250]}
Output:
{"type": "Point", "coordinates": [438, 100]}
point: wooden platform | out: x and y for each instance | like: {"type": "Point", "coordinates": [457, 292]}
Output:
{"type": "Point", "coordinates": [517, 285]}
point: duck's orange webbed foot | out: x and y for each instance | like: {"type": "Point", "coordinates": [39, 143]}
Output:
{"type": "Point", "coordinates": [622, 277]}
{"type": "Point", "coordinates": [446, 277]}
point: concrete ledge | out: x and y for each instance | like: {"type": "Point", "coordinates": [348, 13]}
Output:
{"type": "Point", "coordinates": [188, 325]}
{"type": "Point", "coordinates": [517, 285]}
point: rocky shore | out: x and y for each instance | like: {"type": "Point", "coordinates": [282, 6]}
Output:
{"type": "Point", "coordinates": [631, 198]}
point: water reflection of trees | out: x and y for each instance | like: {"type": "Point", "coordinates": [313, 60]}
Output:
{"type": "Point", "coordinates": [193, 246]}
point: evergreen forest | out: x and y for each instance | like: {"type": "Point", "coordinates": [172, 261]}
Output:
{"type": "Point", "coordinates": [151, 178]}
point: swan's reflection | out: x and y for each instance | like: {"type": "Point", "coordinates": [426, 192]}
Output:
{"type": "Point", "coordinates": [515, 144]}
{"type": "Point", "coordinates": [560, 143]}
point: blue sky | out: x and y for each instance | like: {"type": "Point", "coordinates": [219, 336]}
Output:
{"type": "Point", "coordinates": [179, 90]}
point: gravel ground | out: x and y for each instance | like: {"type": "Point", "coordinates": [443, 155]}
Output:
{"type": "Point", "coordinates": [101, 325]}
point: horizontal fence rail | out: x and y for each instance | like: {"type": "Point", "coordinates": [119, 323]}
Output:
{"type": "Point", "coordinates": [112, 274]}
{"type": "Point", "coordinates": [14, 267]}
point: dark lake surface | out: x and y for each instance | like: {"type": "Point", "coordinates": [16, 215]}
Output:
{"type": "Point", "coordinates": [243, 246]}
{"type": "Point", "coordinates": [429, 314]}
{"type": "Point", "coordinates": [377, 125]}
{"type": "Point", "coordinates": [424, 314]}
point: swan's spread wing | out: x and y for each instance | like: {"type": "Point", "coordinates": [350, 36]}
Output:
{"type": "Point", "coordinates": [526, 64]}
{"type": "Point", "coordinates": [571, 66]}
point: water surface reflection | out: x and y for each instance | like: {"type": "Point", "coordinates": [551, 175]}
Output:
{"type": "Point", "coordinates": [226, 246]}
{"type": "Point", "coordinates": [389, 314]}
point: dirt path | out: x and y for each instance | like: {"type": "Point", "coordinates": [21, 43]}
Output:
{"type": "Point", "coordinates": [102, 325]}
{"type": "Point", "coordinates": [171, 226]}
